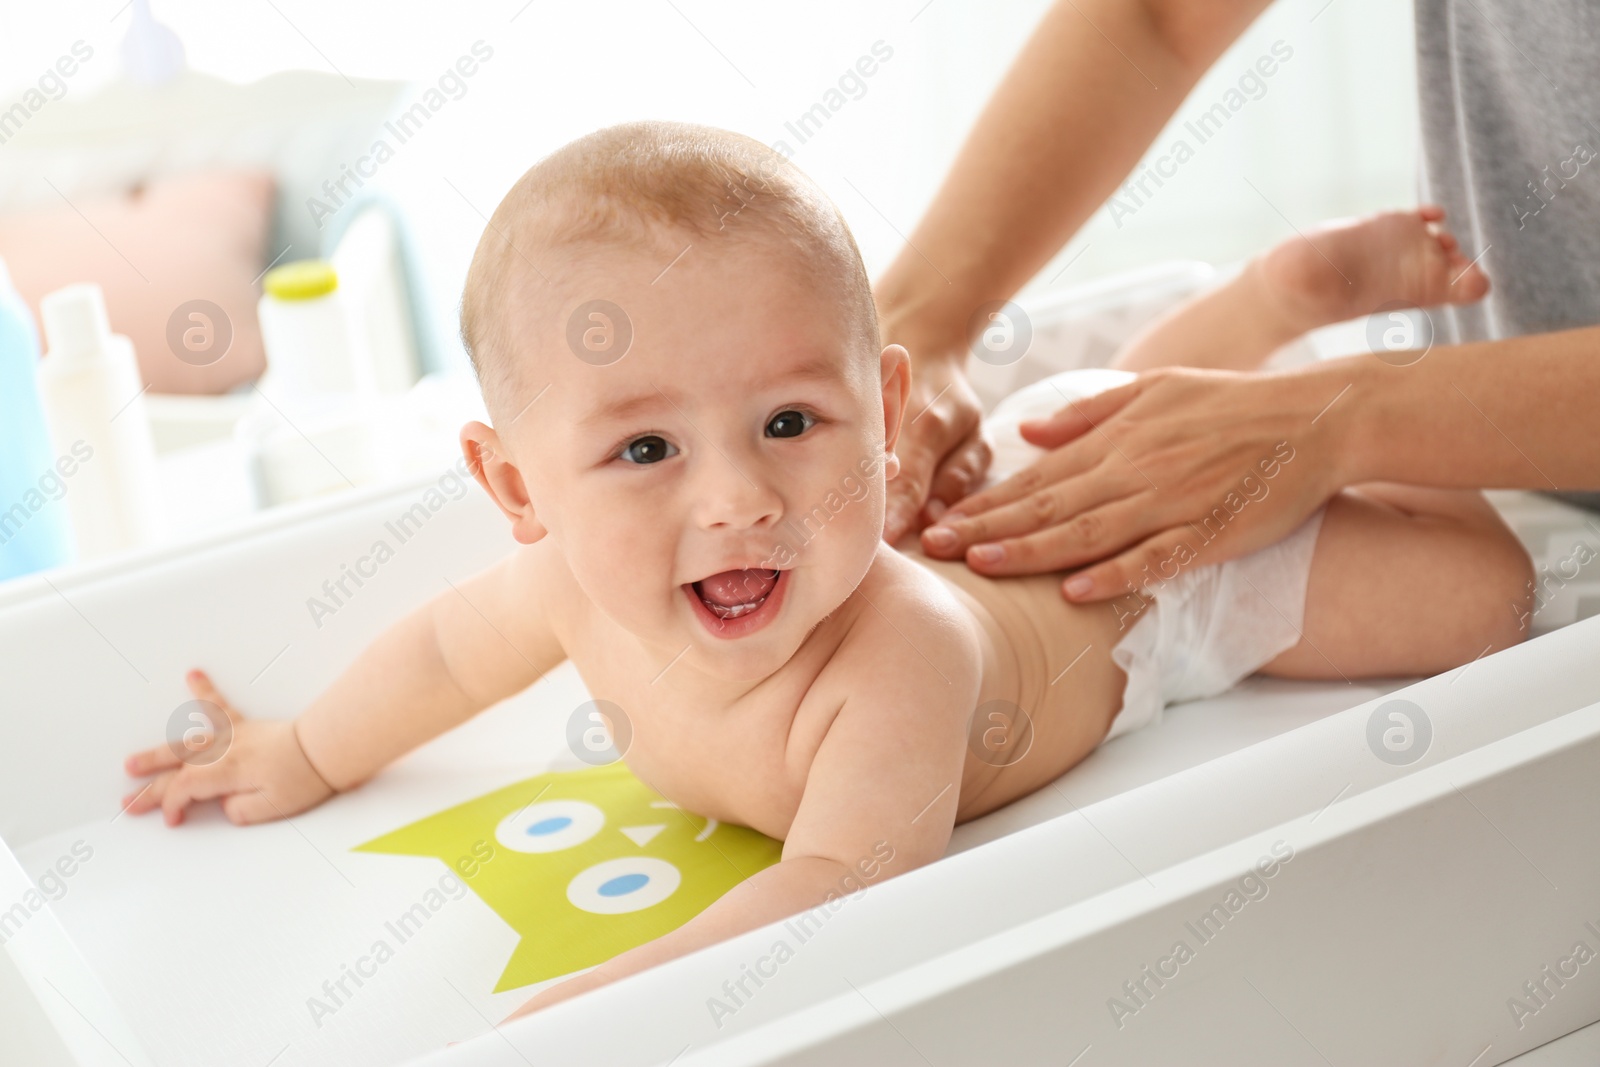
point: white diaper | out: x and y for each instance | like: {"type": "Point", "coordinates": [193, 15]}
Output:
{"type": "Point", "coordinates": [1210, 626]}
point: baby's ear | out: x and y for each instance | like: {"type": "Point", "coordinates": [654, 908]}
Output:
{"type": "Point", "coordinates": [501, 479]}
{"type": "Point", "coordinates": [894, 367]}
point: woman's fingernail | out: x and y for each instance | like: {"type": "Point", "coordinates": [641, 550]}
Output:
{"type": "Point", "coordinates": [935, 509]}
{"type": "Point", "coordinates": [987, 553]}
{"type": "Point", "coordinates": [940, 537]}
{"type": "Point", "coordinates": [1078, 586]}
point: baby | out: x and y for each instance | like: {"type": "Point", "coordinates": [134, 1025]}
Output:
{"type": "Point", "coordinates": [693, 422]}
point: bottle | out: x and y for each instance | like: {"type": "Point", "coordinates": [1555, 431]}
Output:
{"type": "Point", "coordinates": [315, 426]}
{"type": "Point", "coordinates": [94, 399]}
{"type": "Point", "coordinates": [34, 532]}
{"type": "Point", "coordinates": [305, 328]}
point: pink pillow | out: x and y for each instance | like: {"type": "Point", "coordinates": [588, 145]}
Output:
{"type": "Point", "coordinates": [156, 251]}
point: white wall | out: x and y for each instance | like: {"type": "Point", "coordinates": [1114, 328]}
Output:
{"type": "Point", "coordinates": [1334, 132]}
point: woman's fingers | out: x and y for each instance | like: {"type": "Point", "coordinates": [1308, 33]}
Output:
{"type": "Point", "coordinates": [1160, 557]}
{"type": "Point", "coordinates": [1053, 489]}
{"type": "Point", "coordinates": [962, 470]}
{"type": "Point", "coordinates": [1078, 417]}
{"type": "Point", "coordinates": [1049, 469]}
{"type": "Point", "coordinates": [908, 491]}
{"type": "Point", "coordinates": [1063, 503]}
{"type": "Point", "coordinates": [1178, 450]}
{"type": "Point", "coordinates": [1083, 538]}
{"type": "Point", "coordinates": [942, 419]}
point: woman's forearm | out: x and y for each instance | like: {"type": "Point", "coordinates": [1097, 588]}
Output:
{"type": "Point", "coordinates": [1082, 102]}
{"type": "Point", "coordinates": [1522, 413]}
{"type": "Point", "coordinates": [1090, 90]}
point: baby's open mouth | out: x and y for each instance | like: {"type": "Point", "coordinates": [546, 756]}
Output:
{"type": "Point", "coordinates": [730, 594]}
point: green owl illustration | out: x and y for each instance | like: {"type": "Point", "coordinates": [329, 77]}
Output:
{"type": "Point", "coordinates": [583, 864]}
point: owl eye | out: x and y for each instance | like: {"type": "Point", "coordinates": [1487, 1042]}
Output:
{"type": "Point", "coordinates": [550, 827]}
{"type": "Point", "coordinates": [616, 887]}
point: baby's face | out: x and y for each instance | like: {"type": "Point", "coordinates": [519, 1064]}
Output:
{"type": "Point", "coordinates": [719, 489]}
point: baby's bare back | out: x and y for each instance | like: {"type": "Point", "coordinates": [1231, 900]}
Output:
{"type": "Point", "coordinates": [1050, 688]}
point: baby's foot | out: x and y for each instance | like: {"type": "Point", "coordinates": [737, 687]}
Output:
{"type": "Point", "coordinates": [1352, 267]}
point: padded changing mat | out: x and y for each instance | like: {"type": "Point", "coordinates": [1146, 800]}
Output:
{"type": "Point", "coordinates": [351, 934]}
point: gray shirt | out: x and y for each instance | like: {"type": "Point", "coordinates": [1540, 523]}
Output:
{"type": "Point", "coordinates": [1510, 102]}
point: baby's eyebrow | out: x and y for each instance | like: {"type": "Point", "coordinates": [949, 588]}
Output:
{"type": "Point", "coordinates": [626, 406]}
{"type": "Point", "coordinates": [816, 368]}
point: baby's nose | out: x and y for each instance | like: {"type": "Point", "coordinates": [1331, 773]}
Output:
{"type": "Point", "coordinates": [732, 496]}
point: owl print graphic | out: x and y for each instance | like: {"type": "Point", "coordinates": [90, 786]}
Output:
{"type": "Point", "coordinates": [586, 864]}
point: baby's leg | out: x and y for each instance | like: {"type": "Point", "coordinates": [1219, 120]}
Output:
{"type": "Point", "coordinates": [1333, 273]}
{"type": "Point", "coordinates": [1407, 580]}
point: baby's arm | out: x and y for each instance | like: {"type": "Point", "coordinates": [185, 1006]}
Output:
{"type": "Point", "coordinates": [474, 644]}
{"type": "Point", "coordinates": [880, 797]}
{"type": "Point", "coordinates": [471, 646]}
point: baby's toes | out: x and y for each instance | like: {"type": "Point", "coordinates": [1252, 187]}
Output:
{"type": "Point", "coordinates": [1430, 212]}
{"type": "Point", "coordinates": [1468, 282]}
{"type": "Point", "coordinates": [1447, 241]}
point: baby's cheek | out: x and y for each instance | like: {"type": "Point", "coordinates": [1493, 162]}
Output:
{"type": "Point", "coordinates": [850, 540]}
{"type": "Point", "coordinates": [611, 560]}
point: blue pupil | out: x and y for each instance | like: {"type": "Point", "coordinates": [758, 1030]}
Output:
{"type": "Point", "coordinates": [623, 883]}
{"type": "Point", "coordinates": [549, 826]}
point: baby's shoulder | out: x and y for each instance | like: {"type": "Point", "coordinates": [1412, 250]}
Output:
{"type": "Point", "coordinates": [538, 577]}
{"type": "Point", "coordinates": [908, 626]}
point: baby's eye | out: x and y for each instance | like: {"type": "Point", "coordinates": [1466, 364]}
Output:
{"type": "Point", "coordinates": [789, 424]}
{"type": "Point", "coordinates": [647, 449]}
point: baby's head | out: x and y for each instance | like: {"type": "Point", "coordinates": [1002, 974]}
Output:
{"type": "Point", "coordinates": [677, 346]}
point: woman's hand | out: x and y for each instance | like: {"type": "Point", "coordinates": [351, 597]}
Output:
{"type": "Point", "coordinates": [255, 767]}
{"type": "Point", "coordinates": [941, 448]}
{"type": "Point", "coordinates": [1220, 462]}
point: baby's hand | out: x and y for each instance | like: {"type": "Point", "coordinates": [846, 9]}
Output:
{"type": "Point", "coordinates": [256, 768]}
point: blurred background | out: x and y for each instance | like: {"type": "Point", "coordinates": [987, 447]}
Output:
{"type": "Point", "coordinates": [194, 145]}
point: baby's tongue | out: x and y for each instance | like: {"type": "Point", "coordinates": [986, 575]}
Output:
{"type": "Point", "coordinates": [737, 587]}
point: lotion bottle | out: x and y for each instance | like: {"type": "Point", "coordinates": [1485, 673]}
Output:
{"type": "Point", "coordinates": [34, 533]}
{"type": "Point", "coordinates": [94, 402]}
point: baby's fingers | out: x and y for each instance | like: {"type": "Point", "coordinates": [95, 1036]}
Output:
{"type": "Point", "coordinates": [185, 787]}
{"type": "Point", "coordinates": [247, 809]}
{"type": "Point", "coordinates": [152, 761]}
{"type": "Point", "coordinates": [148, 796]}
{"type": "Point", "coordinates": [201, 686]}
